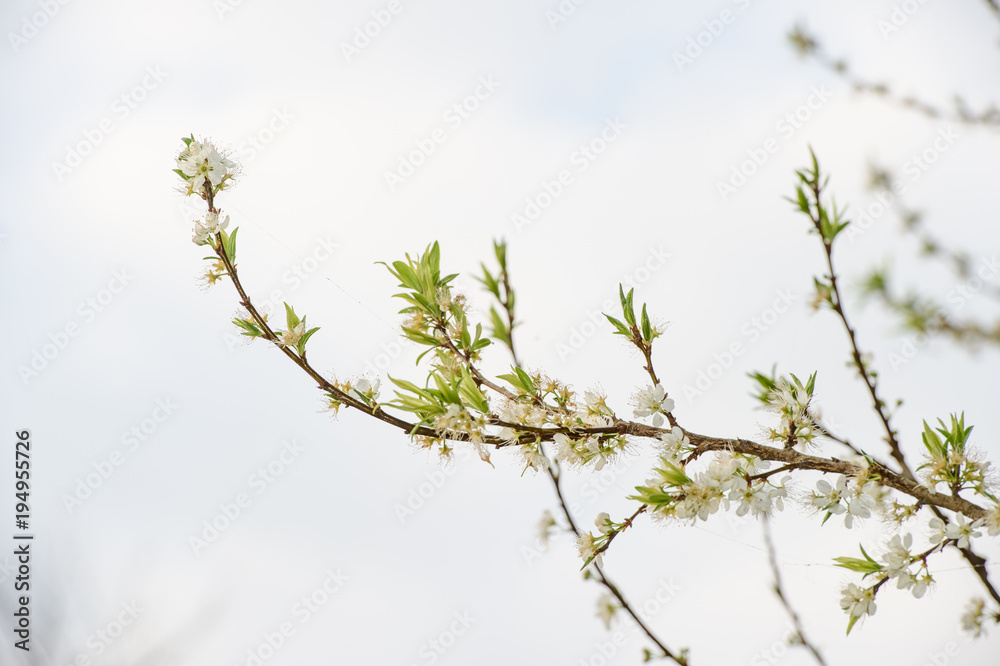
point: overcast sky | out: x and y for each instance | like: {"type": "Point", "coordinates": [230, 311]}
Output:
{"type": "Point", "coordinates": [452, 121]}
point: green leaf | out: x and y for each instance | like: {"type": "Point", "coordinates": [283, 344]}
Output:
{"type": "Point", "coordinates": [866, 566]}
{"type": "Point", "coordinates": [433, 258]}
{"type": "Point", "coordinates": [473, 396]}
{"type": "Point", "coordinates": [250, 329]}
{"type": "Point", "coordinates": [859, 565]}
{"type": "Point", "coordinates": [422, 338]}
{"type": "Point", "coordinates": [304, 339]}
{"type": "Point", "coordinates": [491, 283]}
{"type": "Point", "coordinates": [411, 387]}
{"type": "Point", "coordinates": [802, 201]}
{"type": "Point", "coordinates": [627, 311]}
{"type": "Point", "coordinates": [406, 276]}
{"type": "Point", "coordinates": [766, 384]}
{"type": "Point", "coordinates": [520, 380]}
{"type": "Point", "coordinates": [526, 381]}
{"type": "Point", "coordinates": [230, 244]}
{"type": "Point", "coordinates": [500, 249]}
{"type": "Point", "coordinates": [622, 328]}
{"type": "Point", "coordinates": [673, 474]}
{"type": "Point", "coordinates": [290, 317]}
{"type": "Point", "coordinates": [647, 330]}
{"type": "Point", "coordinates": [811, 384]}
{"type": "Point", "coordinates": [499, 327]}
{"type": "Point", "coordinates": [933, 443]}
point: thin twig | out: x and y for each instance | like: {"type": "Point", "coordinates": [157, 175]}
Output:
{"type": "Point", "coordinates": [603, 579]}
{"type": "Point", "coordinates": [807, 45]}
{"type": "Point", "coordinates": [779, 592]}
{"type": "Point", "coordinates": [836, 302]}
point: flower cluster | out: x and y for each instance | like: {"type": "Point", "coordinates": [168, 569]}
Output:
{"type": "Point", "coordinates": [522, 413]}
{"type": "Point", "coordinates": [791, 401]}
{"type": "Point", "coordinates": [849, 497]}
{"type": "Point", "coordinates": [457, 420]}
{"type": "Point", "coordinates": [759, 499]}
{"type": "Point", "coordinates": [533, 456]}
{"type": "Point", "coordinates": [591, 547]}
{"type": "Point", "coordinates": [673, 493]}
{"type": "Point", "coordinates": [593, 449]}
{"type": "Point", "coordinates": [362, 389]}
{"type": "Point", "coordinates": [959, 530]}
{"type": "Point", "coordinates": [950, 461]}
{"type": "Point", "coordinates": [898, 560]}
{"type": "Point", "coordinates": [858, 602]}
{"type": "Point", "coordinates": [594, 413]}
{"type": "Point", "coordinates": [205, 231]}
{"type": "Point", "coordinates": [200, 162]}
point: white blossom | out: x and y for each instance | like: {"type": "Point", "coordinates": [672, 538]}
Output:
{"type": "Point", "coordinates": [759, 499]}
{"type": "Point", "coordinates": [853, 500]}
{"type": "Point", "coordinates": [545, 525]}
{"type": "Point", "coordinates": [581, 451]}
{"type": "Point", "coordinates": [534, 458]}
{"type": "Point", "coordinates": [916, 584]}
{"type": "Point", "coordinates": [291, 337]}
{"type": "Point", "coordinates": [367, 390]}
{"type": "Point", "coordinates": [858, 601]}
{"type": "Point", "coordinates": [962, 530]}
{"type": "Point", "coordinates": [992, 521]}
{"type": "Point", "coordinates": [897, 558]}
{"type": "Point", "coordinates": [675, 442]}
{"type": "Point", "coordinates": [827, 497]}
{"type": "Point", "coordinates": [588, 548]}
{"type": "Point", "coordinates": [791, 401]}
{"type": "Point", "coordinates": [203, 231]}
{"type": "Point", "coordinates": [458, 420]}
{"type": "Point", "coordinates": [595, 412]}
{"type": "Point", "coordinates": [939, 532]}
{"type": "Point", "coordinates": [972, 618]}
{"type": "Point", "coordinates": [603, 521]}
{"type": "Point", "coordinates": [652, 401]}
{"type": "Point", "coordinates": [860, 502]}
{"type": "Point", "coordinates": [607, 606]}
{"type": "Point", "coordinates": [201, 162]}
